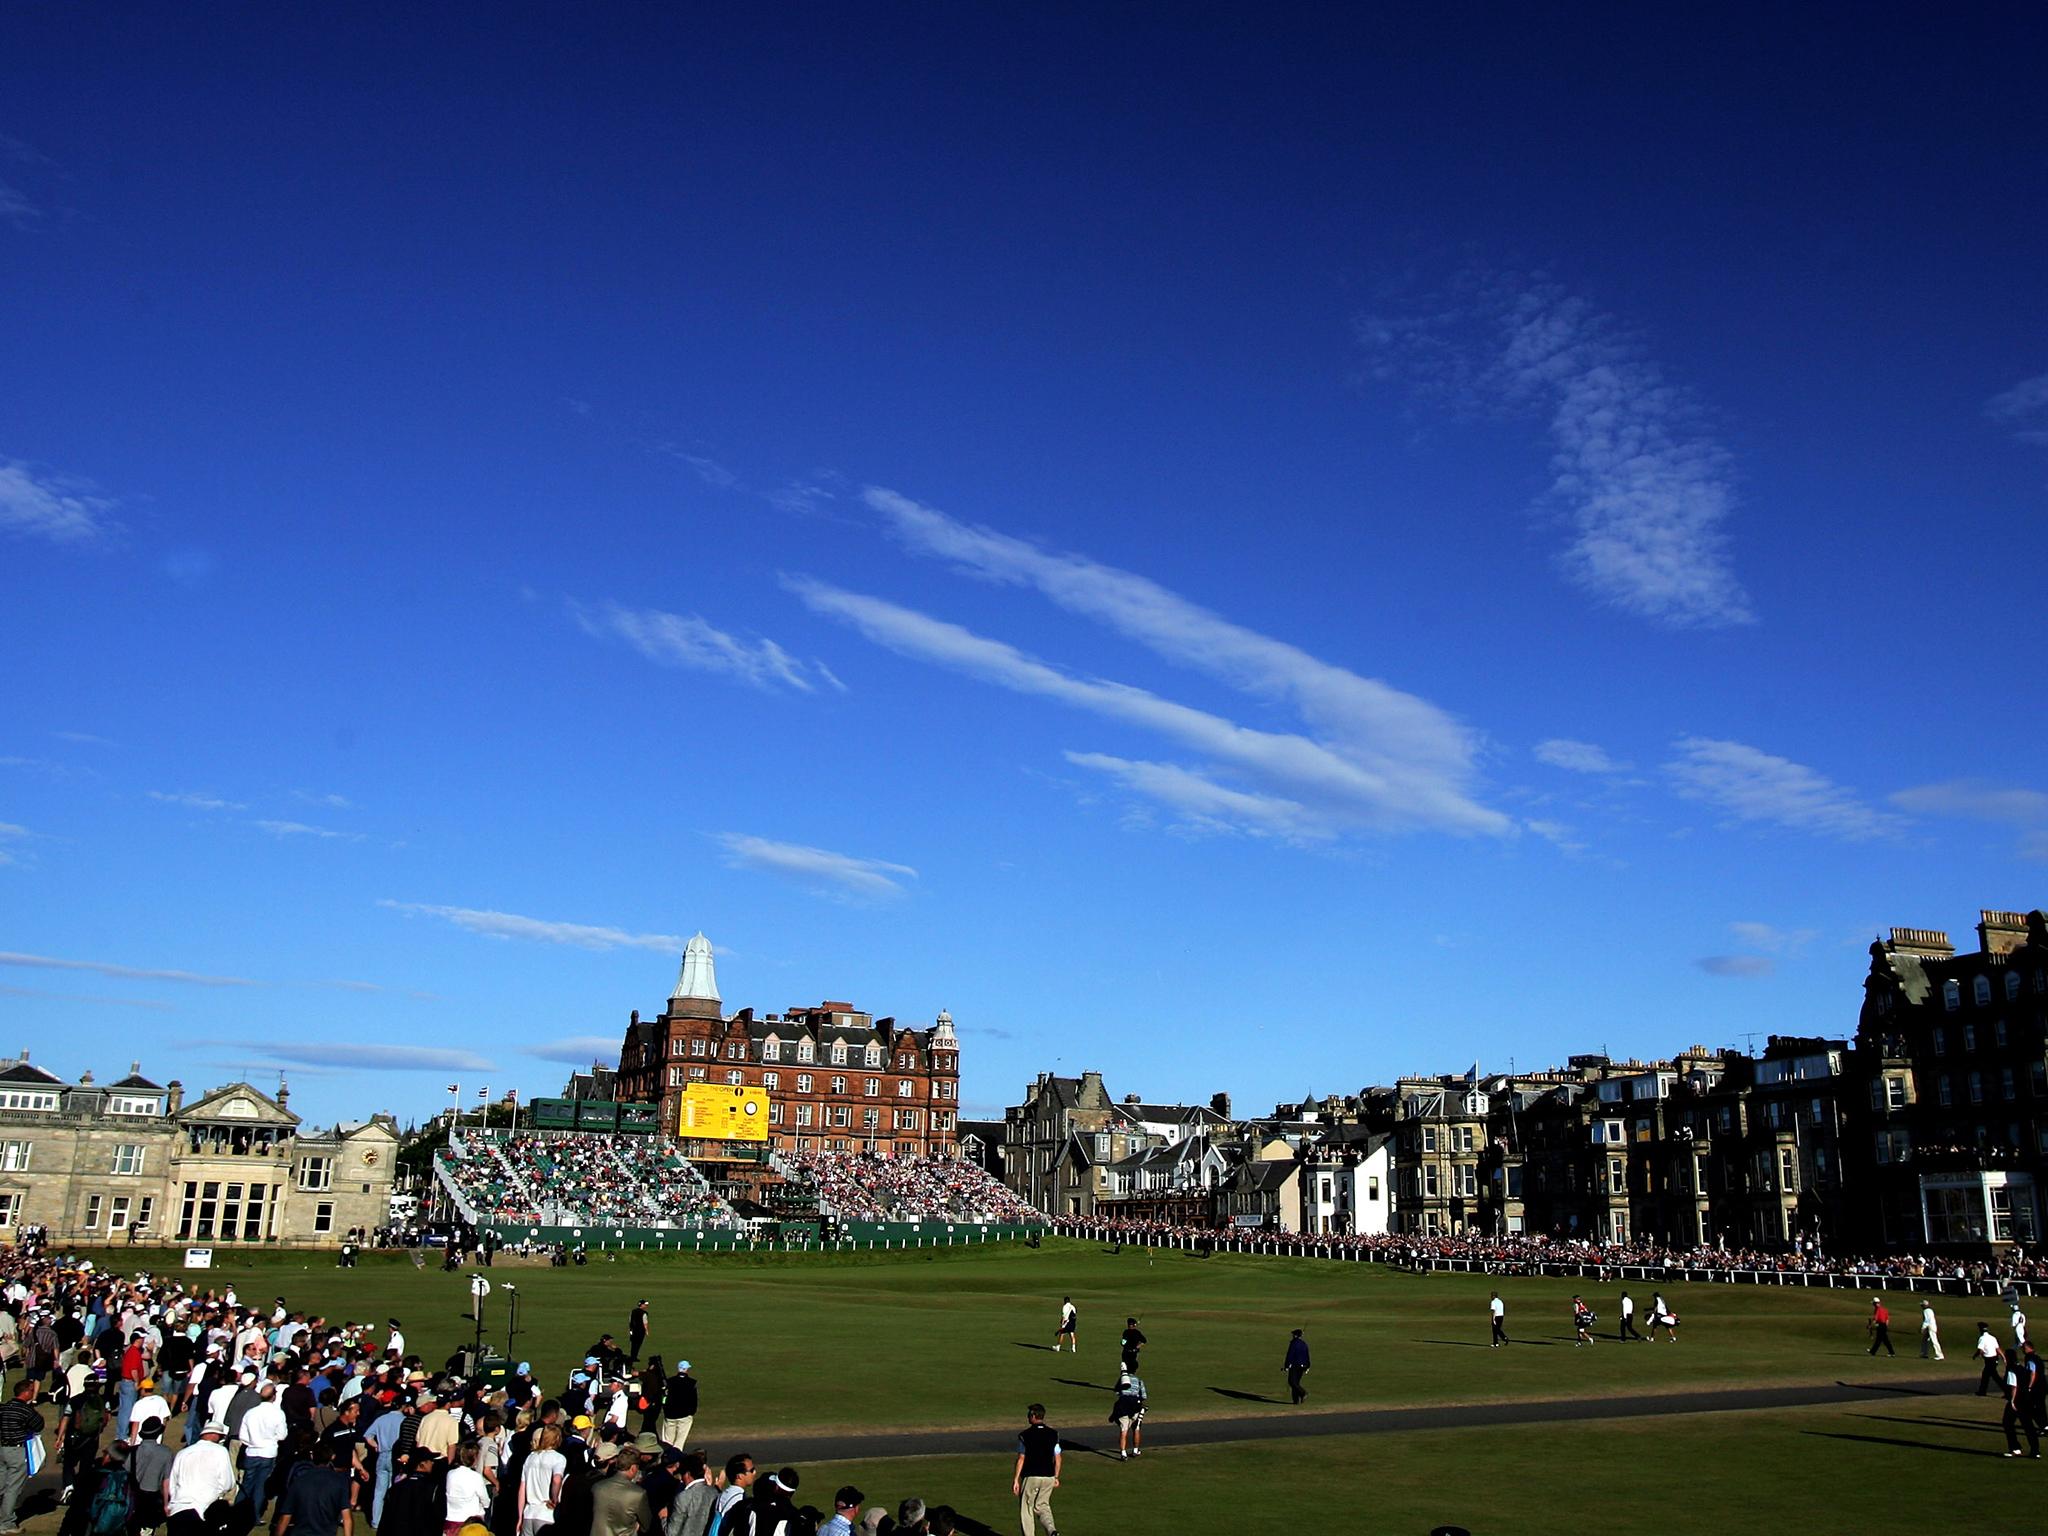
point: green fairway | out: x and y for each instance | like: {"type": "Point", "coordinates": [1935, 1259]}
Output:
{"type": "Point", "coordinates": [1915, 1466]}
{"type": "Point", "coordinates": [961, 1337]}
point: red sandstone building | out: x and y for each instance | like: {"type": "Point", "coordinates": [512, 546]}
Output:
{"type": "Point", "coordinates": [838, 1080]}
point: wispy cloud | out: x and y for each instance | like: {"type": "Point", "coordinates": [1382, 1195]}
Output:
{"type": "Point", "coordinates": [367, 1057]}
{"type": "Point", "coordinates": [1737, 967]}
{"type": "Point", "coordinates": [1349, 786]}
{"type": "Point", "coordinates": [192, 801]}
{"type": "Point", "coordinates": [44, 506]}
{"type": "Point", "coordinates": [123, 972]}
{"type": "Point", "coordinates": [577, 1050]}
{"type": "Point", "coordinates": [12, 832]}
{"type": "Point", "coordinates": [2023, 410]}
{"type": "Point", "coordinates": [284, 829]}
{"type": "Point", "coordinates": [2024, 810]}
{"type": "Point", "coordinates": [1577, 756]}
{"type": "Point", "coordinates": [1558, 834]}
{"type": "Point", "coordinates": [1771, 939]}
{"type": "Point", "coordinates": [1646, 489]}
{"type": "Point", "coordinates": [1752, 785]}
{"type": "Point", "coordinates": [84, 739]}
{"type": "Point", "coordinates": [1205, 804]}
{"type": "Point", "coordinates": [327, 802]}
{"type": "Point", "coordinates": [819, 869]}
{"type": "Point", "coordinates": [510, 925]}
{"type": "Point", "coordinates": [1417, 751]}
{"type": "Point", "coordinates": [149, 1003]}
{"type": "Point", "coordinates": [685, 640]}
{"type": "Point", "coordinates": [705, 468]}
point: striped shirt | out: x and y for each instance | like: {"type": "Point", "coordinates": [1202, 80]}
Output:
{"type": "Point", "coordinates": [19, 1423]}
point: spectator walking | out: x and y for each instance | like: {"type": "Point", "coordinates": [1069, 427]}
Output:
{"type": "Point", "coordinates": [1582, 1322]}
{"type": "Point", "coordinates": [1127, 1413]}
{"type": "Point", "coordinates": [1497, 1310]}
{"type": "Point", "coordinates": [1069, 1320]}
{"type": "Point", "coordinates": [262, 1432]}
{"type": "Point", "coordinates": [1133, 1341]}
{"type": "Point", "coordinates": [1038, 1471]}
{"type": "Point", "coordinates": [2018, 1414]}
{"type": "Point", "coordinates": [1993, 1374]}
{"type": "Point", "coordinates": [636, 1330]}
{"type": "Point", "coordinates": [1628, 1317]}
{"type": "Point", "coordinates": [2019, 1325]}
{"type": "Point", "coordinates": [19, 1424]}
{"type": "Point", "coordinates": [1881, 1326]}
{"type": "Point", "coordinates": [740, 1473]}
{"type": "Point", "coordinates": [1930, 1333]}
{"type": "Point", "coordinates": [1297, 1367]}
{"type": "Point", "coordinates": [678, 1406]}
{"type": "Point", "coordinates": [201, 1479]}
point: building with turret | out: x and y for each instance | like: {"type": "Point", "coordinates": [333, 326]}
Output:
{"type": "Point", "coordinates": [837, 1079]}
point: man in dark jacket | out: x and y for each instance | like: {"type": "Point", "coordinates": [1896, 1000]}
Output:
{"type": "Point", "coordinates": [1297, 1366]}
{"type": "Point", "coordinates": [678, 1406]}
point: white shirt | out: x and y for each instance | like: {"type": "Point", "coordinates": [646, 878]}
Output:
{"type": "Point", "coordinates": [200, 1475]}
{"type": "Point", "coordinates": [1498, 1307]}
{"type": "Point", "coordinates": [150, 1405]}
{"type": "Point", "coordinates": [468, 1495]}
{"type": "Point", "coordinates": [1066, 1316]}
{"type": "Point", "coordinates": [537, 1477]}
{"type": "Point", "coordinates": [1927, 1317]}
{"type": "Point", "coordinates": [2019, 1326]}
{"type": "Point", "coordinates": [218, 1399]}
{"type": "Point", "coordinates": [263, 1430]}
{"type": "Point", "coordinates": [1628, 1306]}
{"type": "Point", "coordinates": [1987, 1346]}
{"type": "Point", "coordinates": [395, 1345]}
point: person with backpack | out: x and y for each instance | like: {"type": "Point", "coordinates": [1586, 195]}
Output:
{"type": "Point", "coordinates": [1127, 1413]}
{"type": "Point", "coordinates": [103, 1501]}
{"type": "Point", "coordinates": [78, 1439]}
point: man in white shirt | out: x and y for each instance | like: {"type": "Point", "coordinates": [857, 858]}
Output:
{"type": "Point", "coordinates": [2019, 1328]}
{"type": "Point", "coordinates": [1993, 1374]}
{"type": "Point", "coordinates": [1628, 1317]}
{"type": "Point", "coordinates": [261, 1432]}
{"type": "Point", "coordinates": [1930, 1332]}
{"type": "Point", "coordinates": [1497, 1311]}
{"type": "Point", "coordinates": [201, 1476]}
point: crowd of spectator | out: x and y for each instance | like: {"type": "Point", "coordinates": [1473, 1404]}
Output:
{"type": "Point", "coordinates": [1525, 1253]}
{"type": "Point", "coordinates": [859, 1186]}
{"type": "Point", "coordinates": [582, 1179]}
{"type": "Point", "coordinates": [191, 1412]}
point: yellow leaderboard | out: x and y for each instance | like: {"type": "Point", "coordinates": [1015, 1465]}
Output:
{"type": "Point", "coordinates": [719, 1112]}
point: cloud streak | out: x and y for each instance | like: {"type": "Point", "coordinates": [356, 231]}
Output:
{"type": "Point", "coordinates": [2024, 810]}
{"type": "Point", "coordinates": [194, 802]}
{"type": "Point", "coordinates": [150, 1003]}
{"type": "Point", "coordinates": [123, 972]}
{"type": "Point", "coordinates": [51, 508]}
{"type": "Point", "coordinates": [1646, 489]}
{"type": "Point", "coordinates": [510, 925]}
{"type": "Point", "coordinates": [1755, 786]}
{"type": "Point", "coordinates": [2023, 410]}
{"type": "Point", "coordinates": [289, 829]}
{"type": "Point", "coordinates": [1737, 967]}
{"type": "Point", "coordinates": [577, 1050]}
{"type": "Point", "coordinates": [689, 642]}
{"type": "Point", "coordinates": [367, 1057]}
{"type": "Point", "coordinates": [818, 869]}
{"type": "Point", "coordinates": [1576, 756]}
{"type": "Point", "coordinates": [1356, 788]}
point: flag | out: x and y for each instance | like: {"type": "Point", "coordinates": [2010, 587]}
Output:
{"type": "Point", "coordinates": [455, 1087]}
{"type": "Point", "coordinates": [484, 1092]}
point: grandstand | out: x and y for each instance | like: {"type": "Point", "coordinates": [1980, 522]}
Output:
{"type": "Point", "coordinates": [571, 1179]}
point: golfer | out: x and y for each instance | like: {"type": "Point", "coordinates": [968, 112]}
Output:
{"type": "Point", "coordinates": [1069, 1321]}
{"type": "Point", "coordinates": [1038, 1472]}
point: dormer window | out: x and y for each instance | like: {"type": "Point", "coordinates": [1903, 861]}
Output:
{"type": "Point", "coordinates": [771, 1049]}
{"type": "Point", "coordinates": [133, 1104]}
{"type": "Point", "coordinates": [1951, 995]}
{"type": "Point", "coordinates": [2012, 985]}
{"type": "Point", "coordinates": [838, 1053]}
{"type": "Point", "coordinates": [1981, 990]}
{"type": "Point", "coordinates": [873, 1056]}
{"type": "Point", "coordinates": [804, 1051]}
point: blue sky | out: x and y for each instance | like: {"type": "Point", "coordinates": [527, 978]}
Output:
{"type": "Point", "coordinates": [1246, 552]}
